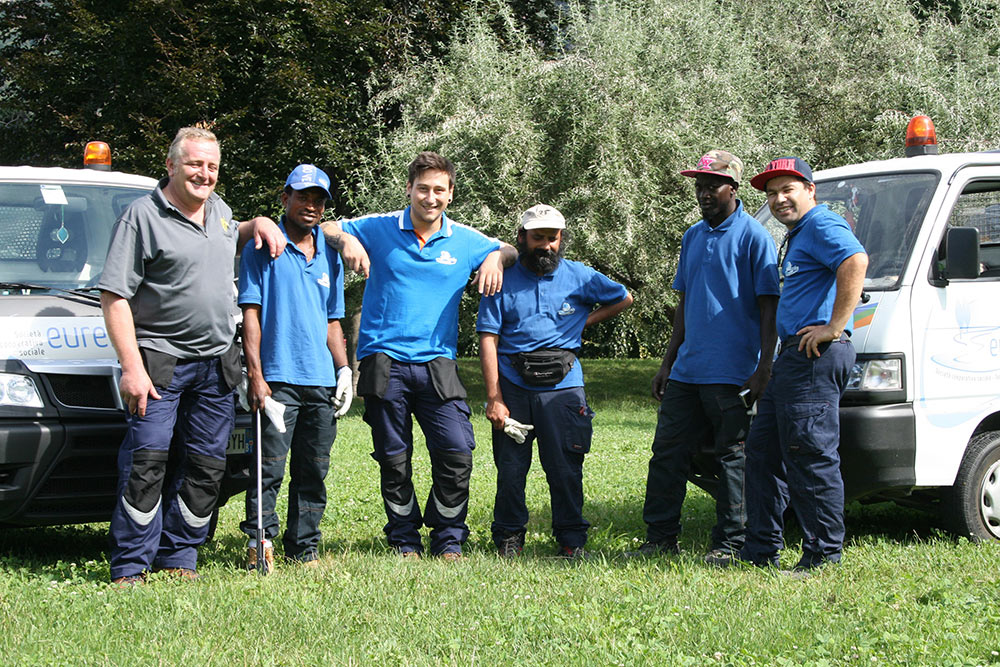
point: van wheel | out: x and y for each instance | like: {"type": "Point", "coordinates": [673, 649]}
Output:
{"type": "Point", "coordinates": [973, 504]}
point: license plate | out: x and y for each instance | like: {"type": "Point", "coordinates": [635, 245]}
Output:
{"type": "Point", "coordinates": [240, 442]}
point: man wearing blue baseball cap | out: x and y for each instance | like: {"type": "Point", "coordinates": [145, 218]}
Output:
{"type": "Point", "coordinates": [791, 451]}
{"type": "Point", "coordinates": [295, 354]}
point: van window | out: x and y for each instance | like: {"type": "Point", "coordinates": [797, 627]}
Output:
{"type": "Point", "coordinates": [885, 211]}
{"type": "Point", "coordinates": [979, 207]}
{"type": "Point", "coordinates": [58, 235]}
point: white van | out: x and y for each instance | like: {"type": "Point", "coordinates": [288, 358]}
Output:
{"type": "Point", "coordinates": [61, 417]}
{"type": "Point", "coordinates": [920, 420]}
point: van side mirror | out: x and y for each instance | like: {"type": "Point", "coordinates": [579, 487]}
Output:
{"type": "Point", "coordinates": [962, 260]}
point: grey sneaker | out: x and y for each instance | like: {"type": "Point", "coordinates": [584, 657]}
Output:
{"type": "Point", "coordinates": [573, 553]}
{"type": "Point", "coordinates": [511, 546]}
{"type": "Point", "coordinates": [649, 549]}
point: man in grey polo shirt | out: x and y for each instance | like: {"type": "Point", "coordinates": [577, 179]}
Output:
{"type": "Point", "coordinates": [168, 302]}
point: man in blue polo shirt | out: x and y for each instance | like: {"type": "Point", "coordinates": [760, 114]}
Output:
{"type": "Point", "coordinates": [420, 264]}
{"type": "Point", "coordinates": [792, 448]}
{"type": "Point", "coordinates": [529, 333]}
{"type": "Point", "coordinates": [727, 277]}
{"type": "Point", "coordinates": [295, 354]}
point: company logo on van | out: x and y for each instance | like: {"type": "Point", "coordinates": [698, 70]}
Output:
{"type": "Point", "coordinates": [39, 338]}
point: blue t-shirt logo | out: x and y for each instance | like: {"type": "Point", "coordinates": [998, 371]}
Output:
{"type": "Point", "coordinates": [566, 309]}
{"type": "Point", "coordinates": [324, 280]}
{"type": "Point", "coordinates": [789, 269]}
{"type": "Point", "coordinates": [446, 258]}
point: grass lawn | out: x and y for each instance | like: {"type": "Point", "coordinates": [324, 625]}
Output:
{"type": "Point", "coordinates": [906, 593]}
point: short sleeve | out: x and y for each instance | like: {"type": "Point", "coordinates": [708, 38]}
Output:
{"type": "Point", "coordinates": [603, 290]}
{"type": "Point", "coordinates": [251, 275]}
{"type": "Point", "coordinates": [124, 267]}
{"type": "Point", "coordinates": [764, 258]}
{"type": "Point", "coordinates": [490, 316]}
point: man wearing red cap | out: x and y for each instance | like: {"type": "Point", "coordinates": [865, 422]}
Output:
{"type": "Point", "coordinates": [727, 277]}
{"type": "Point", "coordinates": [792, 448]}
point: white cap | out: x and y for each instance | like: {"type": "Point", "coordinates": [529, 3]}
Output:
{"type": "Point", "coordinates": [542, 216]}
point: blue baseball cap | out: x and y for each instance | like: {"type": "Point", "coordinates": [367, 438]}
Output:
{"type": "Point", "coordinates": [308, 176]}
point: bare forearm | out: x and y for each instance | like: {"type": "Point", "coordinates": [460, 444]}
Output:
{"type": "Point", "coordinates": [606, 312]}
{"type": "Point", "coordinates": [768, 306]}
{"type": "Point", "coordinates": [508, 255]}
{"type": "Point", "coordinates": [121, 330]}
{"type": "Point", "coordinates": [251, 341]}
{"type": "Point", "coordinates": [850, 281]}
{"type": "Point", "coordinates": [490, 366]}
{"type": "Point", "coordinates": [335, 341]}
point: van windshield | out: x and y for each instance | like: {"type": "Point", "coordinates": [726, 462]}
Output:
{"type": "Point", "coordinates": [57, 235]}
{"type": "Point", "coordinates": [885, 211]}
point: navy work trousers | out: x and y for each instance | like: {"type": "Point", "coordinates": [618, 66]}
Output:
{"type": "Point", "coordinates": [792, 456]}
{"type": "Point", "coordinates": [563, 428]}
{"type": "Point", "coordinates": [310, 429]}
{"type": "Point", "coordinates": [691, 416]}
{"type": "Point", "coordinates": [159, 523]}
{"type": "Point", "coordinates": [445, 423]}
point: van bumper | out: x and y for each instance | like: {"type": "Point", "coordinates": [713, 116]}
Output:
{"type": "Point", "coordinates": [62, 472]}
{"type": "Point", "coordinates": [877, 448]}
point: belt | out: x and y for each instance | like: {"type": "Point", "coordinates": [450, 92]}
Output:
{"type": "Point", "coordinates": [791, 341]}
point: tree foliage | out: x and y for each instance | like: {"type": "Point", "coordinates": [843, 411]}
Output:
{"type": "Point", "coordinates": [641, 89]}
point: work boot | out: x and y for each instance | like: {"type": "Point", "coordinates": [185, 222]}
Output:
{"type": "Point", "coordinates": [409, 555]}
{"type": "Point", "coordinates": [268, 558]}
{"type": "Point", "coordinates": [452, 556]}
{"type": "Point", "coordinates": [129, 581]}
{"type": "Point", "coordinates": [185, 573]}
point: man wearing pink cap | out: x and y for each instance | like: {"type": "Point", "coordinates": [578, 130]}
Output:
{"type": "Point", "coordinates": [728, 282]}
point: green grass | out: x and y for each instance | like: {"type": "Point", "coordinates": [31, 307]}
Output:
{"type": "Point", "coordinates": [906, 592]}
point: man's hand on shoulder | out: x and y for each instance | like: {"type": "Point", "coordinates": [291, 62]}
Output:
{"type": "Point", "coordinates": [351, 251]}
{"type": "Point", "coordinates": [489, 277]}
{"type": "Point", "coordinates": [266, 231]}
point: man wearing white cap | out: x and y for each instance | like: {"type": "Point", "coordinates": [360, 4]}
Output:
{"type": "Point", "coordinates": [295, 354]}
{"type": "Point", "coordinates": [529, 333]}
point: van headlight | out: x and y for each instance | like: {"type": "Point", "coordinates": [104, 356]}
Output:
{"type": "Point", "coordinates": [19, 391]}
{"type": "Point", "coordinates": [876, 379]}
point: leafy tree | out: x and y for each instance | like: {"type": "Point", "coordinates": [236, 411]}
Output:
{"type": "Point", "coordinates": [640, 89]}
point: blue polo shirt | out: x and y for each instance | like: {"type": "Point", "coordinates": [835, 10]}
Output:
{"type": "Point", "coordinates": [817, 245]}
{"type": "Point", "coordinates": [532, 312]}
{"type": "Point", "coordinates": [297, 299]}
{"type": "Point", "coordinates": [410, 307]}
{"type": "Point", "coordinates": [722, 271]}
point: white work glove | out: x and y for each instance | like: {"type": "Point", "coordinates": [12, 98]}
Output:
{"type": "Point", "coordinates": [274, 410]}
{"type": "Point", "coordinates": [516, 430]}
{"type": "Point", "coordinates": [344, 393]}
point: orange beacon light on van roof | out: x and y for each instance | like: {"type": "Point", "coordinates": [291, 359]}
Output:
{"type": "Point", "coordinates": [921, 139]}
{"type": "Point", "coordinates": [97, 155]}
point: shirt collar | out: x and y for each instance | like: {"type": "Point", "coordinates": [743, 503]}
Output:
{"type": "Point", "coordinates": [406, 223]}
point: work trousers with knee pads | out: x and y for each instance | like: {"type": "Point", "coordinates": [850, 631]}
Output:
{"type": "Point", "coordinates": [158, 522]}
{"type": "Point", "coordinates": [410, 391]}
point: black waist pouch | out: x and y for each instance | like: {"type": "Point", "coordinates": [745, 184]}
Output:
{"type": "Point", "coordinates": [373, 375]}
{"type": "Point", "coordinates": [444, 377]}
{"type": "Point", "coordinates": [232, 369]}
{"type": "Point", "coordinates": [159, 366]}
{"type": "Point", "coordinates": [545, 367]}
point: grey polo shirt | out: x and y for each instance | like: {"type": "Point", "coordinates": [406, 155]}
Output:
{"type": "Point", "coordinates": [176, 275]}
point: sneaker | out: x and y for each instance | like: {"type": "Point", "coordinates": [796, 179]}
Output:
{"type": "Point", "coordinates": [452, 556]}
{"type": "Point", "coordinates": [721, 558]}
{"type": "Point", "coordinates": [129, 581]}
{"type": "Point", "coordinates": [409, 555]}
{"type": "Point", "coordinates": [511, 546]}
{"type": "Point", "coordinates": [268, 558]}
{"type": "Point", "coordinates": [185, 573]}
{"type": "Point", "coordinates": [310, 564]}
{"type": "Point", "coordinates": [572, 553]}
{"type": "Point", "coordinates": [649, 549]}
